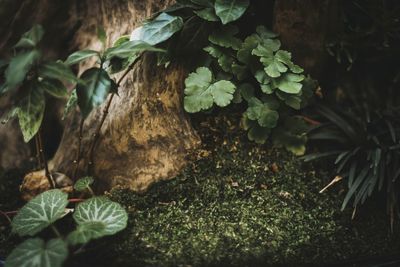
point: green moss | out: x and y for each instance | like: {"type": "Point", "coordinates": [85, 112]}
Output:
{"type": "Point", "coordinates": [232, 208]}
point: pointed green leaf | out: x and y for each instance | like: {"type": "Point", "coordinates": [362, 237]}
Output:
{"type": "Point", "coordinates": [71, 104]}
{"type": "Point", "coordinates": [158, 30]}
{"type": "Point", "coordinates": [18, 69]}
{"type": "Point", "coordinates": [79, 56]}
{"type": "Point", "coordinates": [130, 48]}
{"type": "Point", "coordinates": [30, 112]}
{"type": "Point", "coordinates": [31, 38]}
{"type": "Point", "coordinates": [230, 10]}
{"type": "Point", "coordinates": [101, 210]}
{"type": "Point", "coordinates": [94, 89]}
{"type": "Point", "coordinates": [40, 212]}
{"type": "Point", "coordinates": [53, 87]}
{"type": "Point", "coordinates": [35, 252]}
{"type": "Point", "coordinates": [58, 71]}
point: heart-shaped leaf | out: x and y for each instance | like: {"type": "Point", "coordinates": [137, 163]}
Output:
{"type": "Point", "coordinates": [30, 112]}
{"type": "Point", "coordinates": [230, 10]}
{"type": "Point", "coordinates": [40, 212]}
{"type": "Point", "coordinates": [35, 252]}
{"type": "Point", "coordinates": [79, 56]}
{"type": "Point", "coordinates": [86, 232]}
{"type": "Point", "coordinates": [83, 183]}
{"type": "Point", "coordinates": [100, 210]}
{"type": "Point", "coordinates": [94, 89]}
{"type": "Point", "coordinates": [158, 30]}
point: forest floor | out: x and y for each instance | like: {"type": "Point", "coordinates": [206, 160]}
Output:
{"type": "Point", "coordinates": [238, 204]}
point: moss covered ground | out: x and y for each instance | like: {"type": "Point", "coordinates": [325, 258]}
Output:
{"type": "Point", "coordinates": [240, 204]}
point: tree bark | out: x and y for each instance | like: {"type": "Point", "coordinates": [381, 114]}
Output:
{"type": "Point", "coordinates": [146, 135]}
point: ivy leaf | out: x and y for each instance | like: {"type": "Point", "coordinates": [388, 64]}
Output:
{"type": "Point", "coordinates": [94, 89]}
{"type": "Point", "coordinates": [224, 60]}
{"type": "Point", "coordinates": [201, 78]}
{"type": "Point", "coordinates": [290, 83]}
{"type": "Point", "coordinates": [30, 113]}
{"type": "Point", "coordinates": [292, 135]}
{"type": "Point", "coordinates": [255, 132]}
{"type": "Point", "coordinates": [79, 56]}
{"type": "Point", "coordinates": [262, 113]}
{"type": "Point", "coordinates": [86, 232]}
{"type": "Point", "coordinates": [207, 14]}
{"type": "Point", "coordinates": [57, 70]}
{"type": "Point", "coordinates": [53, 87]}
{"type": "Point", "coordinates": [18, 69]}
{"type": "Point", "coordinates": [83, 183]}
{"type": "Point", "coordinates": [71, 104]}
{"type": "Point", "coordinates": [101, 210]}
{"type": "Point", "coordinates": [225, 37]}
{"type": "Point", "coordinates": [40, 212]}
{"type": "Point", "coordinates": [35, 252]}
{"type": "Point", "coordinates": [222, 92]}
{"type": "Point", "coordinates": [230, 10]}
{"type": "Point", "coordinates": [131, 48]}
{"type": "Point", "coordinates": [31, 38]}
{"type": "Point", "coordinates": [244, 53]}
{"type": "Point", "coordinates": [200, 93]}
{"type": "Point", "coordinates": [157, 30]}
{"type": "Point", "coordinates": [264, 33]}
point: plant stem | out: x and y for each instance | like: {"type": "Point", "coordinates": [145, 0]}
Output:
{"type": "Point", "coordinates": [91, 191]}
{"type": "Point", "coordinates": [96, 134]}
{"type": "Point", "coordinates": [78, 153]}
{"type": "Point", "coordinates": [39, 161]}
{"type": "Point", "coordinates": [55, 230]}
{"type": "Point", "coordinates": [43, 156]}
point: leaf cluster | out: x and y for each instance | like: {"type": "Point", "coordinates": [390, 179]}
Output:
{"type": "Point", "coordinates": [95, 218]}
{"type": "Point", "coordinates": [364, 146]}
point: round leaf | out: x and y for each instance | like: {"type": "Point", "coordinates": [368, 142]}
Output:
{"type": "Point", "coordinates": [222, 92]}
{"type": "Point", "coordinates": [35, 252]}
{"type": "Point", "coordinates": [101, 210]}
{"type": "Point", "coordinates": [230, 10]}
{"type": "Point", "coordinates": [83, 183]}
{"type": "Point", "coordinates": [40, 212]}
{"type": "Point", "coordinates": [86, 232]}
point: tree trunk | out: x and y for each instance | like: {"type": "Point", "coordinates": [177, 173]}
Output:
{"type": "Point", "coordinates": [146, 135]}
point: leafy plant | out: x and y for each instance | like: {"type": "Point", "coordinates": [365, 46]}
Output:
{"type": "Point", "coordinates": [364, 144]}
{"type": "Point", "coordinates": [253, 70]}
{"type": "Point", "coordinates": [95, 217]}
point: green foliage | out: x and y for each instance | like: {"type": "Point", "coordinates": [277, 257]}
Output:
{"type": "Point", "coordinates": [230, 10]}
{"type": "Point", "coordinates": [35, 252]}
{"type": "Point", "coordinates": [94, 90]}
{"type": "Point", "coordinates": [79, 56]}
{"type": "Point", "coordinates": [157, 30]}
{"type": "Point", "coordinates": [40, 212]}
{"type": "Point", "coordinates": [29, 79]}
{"type": "Point", "coordinates": [83, 183]}
{"type": "Point", "coordinates": [364, 147]}
{"type": "Point", "coordinates": [202, 91]}
{"type": "Point", "coordinates": [96, 217]}
{"type": "Point", "coordinates": [256, 62]}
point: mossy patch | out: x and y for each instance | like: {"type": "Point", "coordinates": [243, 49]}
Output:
{"type": "Point", "coordinates": [243, 205]}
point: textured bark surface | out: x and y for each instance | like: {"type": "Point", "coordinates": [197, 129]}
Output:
{"type": "Point", "coordinates": [304, 26]}
{"type": "Point", "coordinates": [146, 135]}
